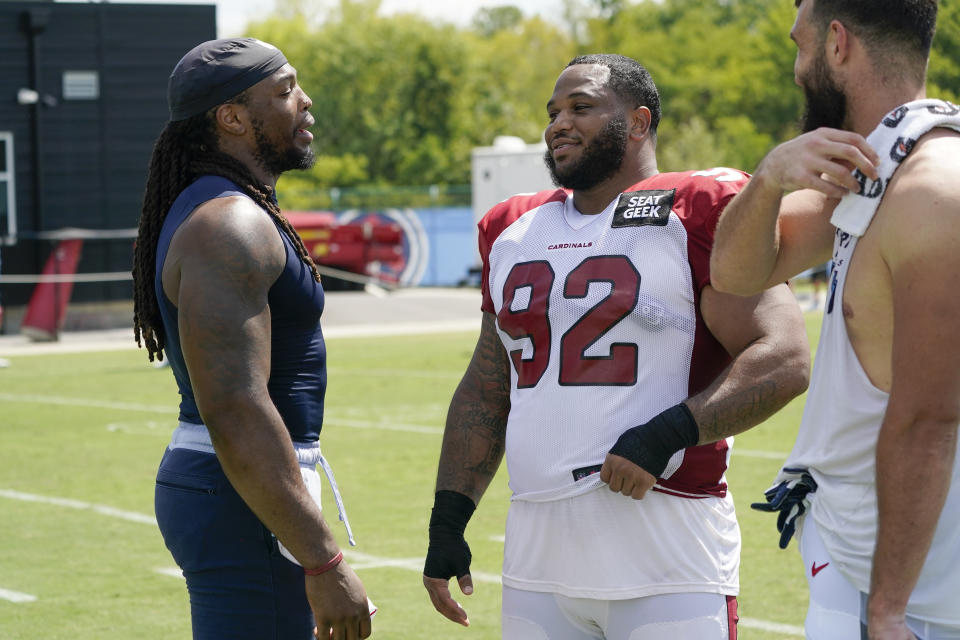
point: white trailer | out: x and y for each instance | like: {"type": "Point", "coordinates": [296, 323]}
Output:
{"type": "Point", "coordinates": [509, 167]}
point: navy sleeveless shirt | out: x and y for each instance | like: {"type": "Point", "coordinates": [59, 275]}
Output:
{"type": "Point", "coordinates": [298, 358]}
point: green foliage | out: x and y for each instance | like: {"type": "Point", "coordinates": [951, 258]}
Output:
{"type": "Point", "coordinates": [944, 72]}
{"type": "Point", "coordinates": [713, 82]}
{"type": "Point", "coordinates": [730, 142]}
{"type": "Point", "coordinates": [303, 196]}
{"type": "Point", "coordinates": [489, 20]}
{"type": "Point", "coordinates": [507, 89]}
{"type": "Point", "coordinates": [401, 100]}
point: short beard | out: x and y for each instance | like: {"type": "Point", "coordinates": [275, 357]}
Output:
{"type": "Point", "coordinates": [276, 161]}
{"type": "Point", "coordinates": [598, 162]}
{"type": "Point", "coordinates": [826, 102]}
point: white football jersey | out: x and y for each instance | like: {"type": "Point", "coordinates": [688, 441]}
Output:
{"type": "Point", "coordinates": [600, 317]}
{"type": "Point", "coordinates": [837, 442]}
{"type": "Point", "coordinates": [842, 418]}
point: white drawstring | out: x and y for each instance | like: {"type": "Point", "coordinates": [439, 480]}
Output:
{"type": "Point", "coordinates": [341, 509]}
{"type": "Point", "coordinates": [196, 438]}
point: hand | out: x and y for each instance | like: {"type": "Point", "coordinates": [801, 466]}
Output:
{"type": "Point", "coordinates": [439, 590]}
{"type": "Point", "coordinates": [339, 604]}
{"type": "Point", "coordinates": [891, 629]}
{"type": "Point", "coordinates": [448, 553]}
{"type": "Point", "coordinates": [886, 621]}
{"type": "Point", "coordinates": [447, 556]}
{"type": "Point", "coordinates": [823, 160]}
{"type": "Point", "coordinates": [626, 477]}
{"type": "Point", "coordinates": [789, 499]}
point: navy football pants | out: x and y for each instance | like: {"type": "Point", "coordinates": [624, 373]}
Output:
{"type": "Point", "coordinates": [240, 586]}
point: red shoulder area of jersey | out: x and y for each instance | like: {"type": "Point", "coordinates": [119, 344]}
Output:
{"type": "Point", "coordinates": [701, 195]}
{"type": "Point", "coordinates": [502, 215]}
{"type": "Point", "coordinates": [499, 218]}
{"type": "Point", "coordinates": [720, 179]}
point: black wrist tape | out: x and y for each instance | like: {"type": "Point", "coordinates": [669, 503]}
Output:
{"type": "Point", "coordinates": [451, 512]}
{"type": "Point", "coordinates": [448, 554]}
{"type": "Point", "coordinates": [651, 445]}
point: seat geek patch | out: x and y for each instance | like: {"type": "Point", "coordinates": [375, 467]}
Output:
{"type": "Point", "coordinates": [642, 208]}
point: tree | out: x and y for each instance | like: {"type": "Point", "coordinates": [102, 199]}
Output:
{"type": "Point", "coordinates": [721, 69]}
{"type": "Point", "coordinates": [399, 100]}
{"type": "Point", "coordinates": [402, 101]}
{"type": "Point", "coordinates": [489, 20]}
{"type": "Point", "coordinates": [507, 87]}
{"type": "Point", "coordinates": [944, 73]}
{"type": "Point", "coordinates": [383, 89]}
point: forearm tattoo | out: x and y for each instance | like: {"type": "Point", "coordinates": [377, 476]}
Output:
{"type": "Point", "coordinates": [738, 411]}
{"type": "Point", "coordinates": [473, 440]}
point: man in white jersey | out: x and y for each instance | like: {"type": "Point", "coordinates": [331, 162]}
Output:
{"type": "Point", "coordinates": [607, 365]}
{"type": "Point", "coordinates": [876, 181]}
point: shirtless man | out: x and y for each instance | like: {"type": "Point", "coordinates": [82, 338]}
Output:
{"type": "Point", "coordinates": [877, 445]}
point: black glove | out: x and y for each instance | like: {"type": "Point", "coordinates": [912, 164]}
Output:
{"type": "Point", "coordinates": [448, 554]}
{"type": "Point", "coordinates": [651, 445]}
{"type": "Point", "coordinates": [788, 498]}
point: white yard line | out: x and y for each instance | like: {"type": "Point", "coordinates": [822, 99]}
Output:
{"type": "Point", "coordinates": [394, 373]}
{"type": "Point", "coordinates": [173, 572]}
{"type": "Point", "coordinates": [382, 425]}
{"type": "Point", "coordinates": [113, 512]}
{"type": "Point", "coordinates": [331, 419]}
{"type": "Point", "coordinates": [122, 339]}
{"type": "Point", "coordinates": [16, 596]}
{"type": "Point", "coordinates": [358, 559]}
{"type": "Point", "coordinates": [26, 398]}
{"type": "Point", "coordinates": [403, 328]}
{"type": "Point", "coordinates": [773, 627]}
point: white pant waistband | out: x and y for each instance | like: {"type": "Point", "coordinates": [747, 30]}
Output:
{"type": "Point", "coordinates": [195, 437]}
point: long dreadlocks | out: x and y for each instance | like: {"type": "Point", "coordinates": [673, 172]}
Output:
{"type": "Point", "coordinates": [184, 151]}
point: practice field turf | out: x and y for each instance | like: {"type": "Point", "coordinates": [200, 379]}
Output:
{"type": "Point", "coordinates": [81, 436]}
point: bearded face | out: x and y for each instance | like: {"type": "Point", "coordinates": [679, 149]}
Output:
{"type": "Point", "coordinates": [826, 104]}
{"type": "Point", "coordinates": [600, 160]}
{"type": "Point", "coordinates": [277, 154]}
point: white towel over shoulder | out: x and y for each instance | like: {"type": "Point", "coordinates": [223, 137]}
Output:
{"type": "Point", "coordinates": [893, 139]}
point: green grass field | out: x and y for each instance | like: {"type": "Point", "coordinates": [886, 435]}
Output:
{"type": "Point", "coordinates": [81, 436]}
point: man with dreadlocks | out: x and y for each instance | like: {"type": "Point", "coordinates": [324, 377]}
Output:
{"type": "Point", "coordinates": [226, 290]}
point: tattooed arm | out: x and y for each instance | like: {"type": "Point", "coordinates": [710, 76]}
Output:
{"type": "Point", "coordinates": [771, 360]}
{"type": "Point", "coordinates": [477, 419]}
{"type": "Point", "coordinates": [771, 364]}
{"type": "Point", "coordinates": [473, 444]}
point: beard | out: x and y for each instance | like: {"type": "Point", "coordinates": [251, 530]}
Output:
{"type": "Point", "coordinates": [276, 160]}
{"type": "Point", "coordinates": [826, 104]}
{"type": "Point", "coordinates": [600, 159]}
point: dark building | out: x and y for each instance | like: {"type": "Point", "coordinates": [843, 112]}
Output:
{"type": "Point", "coordinates": [82, 98]}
